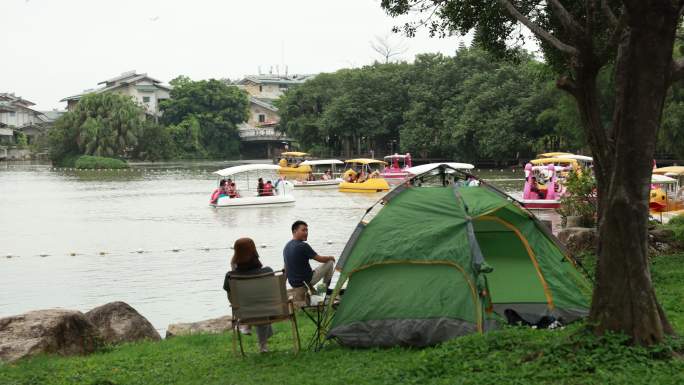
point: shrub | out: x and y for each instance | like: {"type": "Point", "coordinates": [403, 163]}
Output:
{"type": "Point", "coordinates": [580, 197]}
{"type": "Point", "coordinates": [91, 162]}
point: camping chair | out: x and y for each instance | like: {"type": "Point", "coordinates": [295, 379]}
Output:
{"type": "Point", "coordinates": [260, 300]}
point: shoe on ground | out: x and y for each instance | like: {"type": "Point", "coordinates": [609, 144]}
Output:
{"type": "Point", "coordinates": [246, 330]}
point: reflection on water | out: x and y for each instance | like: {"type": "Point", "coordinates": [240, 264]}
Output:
{"type": "Point", "coordinates": [123, 227]}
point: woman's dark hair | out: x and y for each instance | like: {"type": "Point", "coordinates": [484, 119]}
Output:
{"type": "Point", "coordinates": [245, 256]}
{"type": "Point", "coordinates": [296, 225]}
{"type": "Point", "coordinates": [222, 182]}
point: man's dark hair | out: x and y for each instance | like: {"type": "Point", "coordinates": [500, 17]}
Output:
{"type": "Point", "coordinates": [296, 225]}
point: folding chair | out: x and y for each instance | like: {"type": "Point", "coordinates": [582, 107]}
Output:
{"type": "Point", "coordinates": [260, 300]}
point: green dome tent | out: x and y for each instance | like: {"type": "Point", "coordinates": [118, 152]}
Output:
{"type": "Point", "coordinates": [440, 260]}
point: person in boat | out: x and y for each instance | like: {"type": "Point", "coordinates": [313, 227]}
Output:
{"type": "Point", "coordinates": [362, 177]}
{"type": "Point", "coordinates": [534, 187]}
{"type": "Point", "coordinates": [327, 175]}
{"type": "Point", "coordinates": [310, 177]}
{"type": "Point", "coordinates": [351, 177]}
{"type": "Point", "coordinates": [245, 261]}
{"type": "Point", "coordinates": [297, 254]}
{"type": "Point", "coordinates": [232, 191]}
{"type": "Point", "coordinates": [268, 189]}
{"type": "Point", "coordinates": [218, 192]}
{"type": "Point", "coordinates": [260, 187]}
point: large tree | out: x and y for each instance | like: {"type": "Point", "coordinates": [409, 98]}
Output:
{"type": "Point", "coordinates": [105, 124]}
{"type": "Point", "coordinates": [210, 109]}
{"type": "Point", "coordinates": [579, 38]}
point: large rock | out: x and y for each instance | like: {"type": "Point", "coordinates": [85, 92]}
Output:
{"type": "Point", "coordinates": [579, 239]}
{"type": "Point", "coordinates": [214, 326]}
{"type": "Point", "coordinates": [118, 322]}
{"type": "Point", "coordinates": [59, 331]}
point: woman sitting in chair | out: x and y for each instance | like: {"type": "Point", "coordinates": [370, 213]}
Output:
{"type": "Point", "coordinates": [246, 262]}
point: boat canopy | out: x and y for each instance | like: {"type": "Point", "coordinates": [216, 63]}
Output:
{"type": "Point", "coordinates": [246, 168]}
{"type": "Point", "coordinates": [671, 170]}
{"type": "Point", "coordinates": [365, 161]}
{"type": "Point", "coordinates": [662, 179]}
{"type": "Point", "coordinates": [294, 154]}
{"type": "Point", "coordinates": [397, 156]}
{"type": "Point", "coordinates": [554, 154]}
{"type": "Point", "coordinates": [320, 162]}
{"type": "Point", "coordinates": [541, 161]}
{"type": "Point", "coordinates": [423, 168]}
{"type": "Point", "coordinates": [583, 158]}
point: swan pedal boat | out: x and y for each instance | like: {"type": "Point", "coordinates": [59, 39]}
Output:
{"type": "Point", "coordinates": [282, 193]}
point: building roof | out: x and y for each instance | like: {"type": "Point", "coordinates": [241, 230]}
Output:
{"type": "Point", "coordinates": [125, 79]}
{"type": "Point", "coordinates": [263, 103]}
{"type": "Point", "coordinates": [275, 79]}
{"type": "Point", "coordinates": [51, 116]}
{"type": "Point", "coordinates": [12, 98]}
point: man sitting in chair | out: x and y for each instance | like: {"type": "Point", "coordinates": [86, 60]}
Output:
{"type": "Point", "coordinates": [297, 254]}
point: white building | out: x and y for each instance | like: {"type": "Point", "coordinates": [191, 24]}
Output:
{"type": "Point", "coordinates": [16, 114]}
{"type": "Point", "coordinates": [145, 90]}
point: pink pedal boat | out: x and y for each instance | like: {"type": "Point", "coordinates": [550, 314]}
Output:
{"type": "Point", "coordinates": [398, 166]}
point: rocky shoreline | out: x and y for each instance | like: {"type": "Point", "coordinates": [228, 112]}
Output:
{"type": "Point", "coordinates": [71, 332]}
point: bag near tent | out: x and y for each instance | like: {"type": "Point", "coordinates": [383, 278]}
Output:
{"type": "Point", "coordinates": [442, 261]}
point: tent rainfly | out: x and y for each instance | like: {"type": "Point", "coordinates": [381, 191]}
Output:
{"type": "Point", "coordinates": [443, 260]}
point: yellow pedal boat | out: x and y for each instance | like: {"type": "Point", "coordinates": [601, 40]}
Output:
{"type": "Point", "coordinates": [291, 167]}
{"type": "Point", "coordinates": [363, 176]}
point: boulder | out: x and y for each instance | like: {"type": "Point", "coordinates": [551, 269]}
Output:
{"type": "Point", "coordinates": [58, 331]}
{"type": "Point", "coordinates": [118, 322]}
{"type": "Point", "coordinates": [660, 234]}
{"type": "Point", "coordinates": [579, 239]}
{"type": "Point", "coordinates": [213, 326]}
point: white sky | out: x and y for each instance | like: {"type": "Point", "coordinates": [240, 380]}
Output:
{"type": "Point", "coordinates": [51, 49]}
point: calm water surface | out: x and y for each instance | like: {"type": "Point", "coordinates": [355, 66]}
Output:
{"type": "Point", "coordinates": [107, 217]}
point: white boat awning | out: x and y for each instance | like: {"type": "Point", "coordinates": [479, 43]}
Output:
{"type": "Point", "coordinates": [423, 168]}
{"type": "Point", "coordinates": [662, 179]}
{"type": "Point", "coordinates": [320, 162]}
{"type": "Point", "coordinates": [246, 168]}
{"type": "Point", "coordinates": [583, 158]}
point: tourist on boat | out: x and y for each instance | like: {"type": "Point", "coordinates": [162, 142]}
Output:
{"type": "Point", "coordinates": [260, 187]}
{"type": "Point", "coordinates": [362, 177]}
{"type": "Point", "coordinates": [218, 192]}
{"type": "Point", "coordinates": [534, 187]}
{"type": "Point", "coordinates": [310, 177]}
{"type": "Point", "coordinates": [268, 189]}
{"type": "Point", "coordinates": [232, 191]}
{"type": "Point", "coordinates": [297, 254]}
{"type": "Point", "coordinates": [472, 182]}
{"type": "Point", "coordinates": [245, 261]}
{"type": "Point", "coordinates": [327, 175]}
{"type": "Point", "coordinates": [281, 179]}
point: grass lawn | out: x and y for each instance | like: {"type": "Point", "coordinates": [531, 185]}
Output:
{"type": "Point", "coordinates": [508, 356]}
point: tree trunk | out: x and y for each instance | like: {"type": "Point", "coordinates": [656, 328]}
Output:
{"type": "Point", "coordinates": [624, 299]}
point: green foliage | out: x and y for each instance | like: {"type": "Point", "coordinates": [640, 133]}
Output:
{"type": "Point", "coordinates": [155, 143]}
{"type": "Point", "coordinates": [88, 162]}
{"type": "Point", "coordinates": [468, 107]}
{"type": "Point", "coordinates": [105, 124]}
{"type": "Point", "coordinates": [580, 197]}
{"type": "Point", "coordinates": [203, 116]}
{"type": "Point", "coordinates": [20, 139]}
{"type": "Point", "coordinates": [513, 355]}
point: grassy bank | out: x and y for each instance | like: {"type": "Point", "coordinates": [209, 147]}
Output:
{"type": "Point", "coordinates": [509, 356]}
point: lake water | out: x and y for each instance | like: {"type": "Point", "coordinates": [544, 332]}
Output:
{"type": "Point", "coordinates": [106, 218]}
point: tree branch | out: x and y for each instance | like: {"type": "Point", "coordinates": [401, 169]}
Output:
{"type": "Point", "coordinates": [537, 30]}
{"type": "Point", "coordinates": [566, 18]}
{"type": "Point", "coordinates": [609, 13]}
{"type": "Point", "coordinates": [567, 84]}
